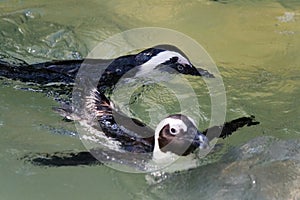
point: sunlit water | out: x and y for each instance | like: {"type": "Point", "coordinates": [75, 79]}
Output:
{"type": "Point", "coordinates": [256, 46]}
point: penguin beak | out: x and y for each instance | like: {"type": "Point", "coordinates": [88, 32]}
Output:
{"type": "Point", "coordinates": [200, 72]}
{"type": "Point", "coordinates": [201, 141]}
{"type": "Point", "coordinates": [193, 70]}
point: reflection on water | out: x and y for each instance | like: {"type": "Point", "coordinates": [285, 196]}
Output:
{"type": "Point", "coordinates": [254, 43]}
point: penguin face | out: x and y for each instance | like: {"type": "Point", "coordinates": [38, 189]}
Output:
{"type": "Point", "coordinates": [155, 58]}
{"type": "Point", "coordinates": [178, 134]}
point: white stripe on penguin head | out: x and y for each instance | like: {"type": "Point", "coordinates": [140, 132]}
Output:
{"type": "Point", "coordinates": [165, 56]}
{"type": "Point", "coordinates": [161, 58]}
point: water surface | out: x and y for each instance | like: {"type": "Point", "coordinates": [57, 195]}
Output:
{"type": "Point", "coordinates": [255, 45]}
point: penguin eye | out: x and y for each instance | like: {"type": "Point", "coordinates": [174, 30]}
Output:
{"type": "Point", "coordinates": [173, 131]}
{"type": "Point", "coordinates": [180, 67]}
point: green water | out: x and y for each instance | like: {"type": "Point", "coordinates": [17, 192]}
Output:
{"type": "Point", "coordinates": [255, 45]}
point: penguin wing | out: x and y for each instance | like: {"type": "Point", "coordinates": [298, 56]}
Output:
{"type": "Point", "coordinates": [228, 128]}
{"type": "Point", "coordinates": [131, 133]}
